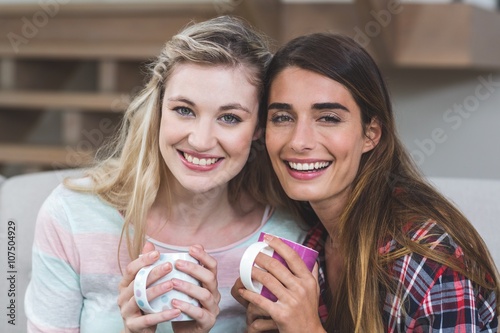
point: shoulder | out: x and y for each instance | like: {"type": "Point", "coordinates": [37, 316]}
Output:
{"type": "Point", "coordinates": [79, 193]}
{"type": "Point", "coordinates": [427, 233]}
{"type": "Point", "coordinates": [284, 224]}
{"type": "Point", "coordinates": [75, 209]}
{"type": "Point", "coordinates": [412, 269]}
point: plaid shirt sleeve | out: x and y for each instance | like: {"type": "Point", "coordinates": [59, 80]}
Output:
{"type": "Point", "coordinates": [431, 297]}
{"type": "Point", "coordinates": [315, 239]}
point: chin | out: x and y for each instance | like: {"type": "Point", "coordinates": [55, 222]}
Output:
{"type": "Point", "coordinates": [300, 195]}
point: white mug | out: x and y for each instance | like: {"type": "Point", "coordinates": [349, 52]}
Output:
{"type": "Point", "coordinates": [163, 302]}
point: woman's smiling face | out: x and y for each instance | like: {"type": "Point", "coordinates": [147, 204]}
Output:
{"type": "Point", "coordinates": [314, 135]}
{"type": "Point", "coordinates": [208, 122]}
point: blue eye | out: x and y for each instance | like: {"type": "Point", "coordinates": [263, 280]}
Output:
{"type": "Point", "coordinates": [230, 119]}
{"type": "Point", "coordinates": [183, 111]}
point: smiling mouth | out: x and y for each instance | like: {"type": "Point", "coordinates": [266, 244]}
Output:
{"type": "Point", "coordinates": [199, 161]}
{"type": "Point", "coordinates": [308, 167]}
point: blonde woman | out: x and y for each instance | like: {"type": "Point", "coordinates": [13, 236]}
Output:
{"type": "Point", "coordinates": [397, 256]}
{"type": "Point", "coordinates": [187, 174]}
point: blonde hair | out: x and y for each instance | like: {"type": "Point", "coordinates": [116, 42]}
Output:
{"type": "Point", "coordinates": [130, 177]}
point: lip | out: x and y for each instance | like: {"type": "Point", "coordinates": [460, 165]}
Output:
{"type": "Point", "coordinates": [306, 174]}
{"type": "Point", "coordinates": [199, 167]}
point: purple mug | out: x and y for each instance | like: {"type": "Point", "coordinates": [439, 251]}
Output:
{"type": "Point", "coordinates": [308, 255]}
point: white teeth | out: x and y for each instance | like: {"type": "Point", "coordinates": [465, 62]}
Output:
{"type": "Point", "coordinates": [199, 161]}
{"type": "Point", "coordinates": [308, 166]}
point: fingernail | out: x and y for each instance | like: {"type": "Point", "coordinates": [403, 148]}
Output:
{"type": "Point", "coordinates": [166, 267]}
{"type": "Point", "coordinates": [176, 282]}
{"type": "Point", "coordinates": [154, 254]}
{"type": "Point", "coordinates": [180, 263]}
{"type": "Point", "coordinates": [167, 286]}
{"type": "Point", "coordinates": [268, 238]}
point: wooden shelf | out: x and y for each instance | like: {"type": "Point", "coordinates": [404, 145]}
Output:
{"type": "Point", "coordinates": [83, 50]}
{"type": "Point", "coordinates": [93, 102]}
{"type": "Point", "coordinates": [44, 155]}
{"type": "Point", "coordinates": [455, 36]}
{"type": "Point", "coordinates": [87, 58]}
{"type": "Point", "coordinates": [446, 36]}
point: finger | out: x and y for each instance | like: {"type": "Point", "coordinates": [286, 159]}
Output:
{"type": "Point", "coordinates": [206, 260]}
{"type": "Point", "coordinates": [236, 295]}
{"type": "Point", "coordinates": [138, 324]}
{"type": "Point", "coordinates": [203, 295]}
{"type": "Point", "coordinates": [282, 283]}
{"type": "Point", "coordinates": [155, 274]}
{"type": "Point", "coordinates": [262, 325]}
{"type": "Point", "coordinates": [202, 315]}
{"type": "Point", "coordinates": [315, 272]}
{"type": "Point", "coordinates": [257, 299]}
{"type": "Point", "coordinates": [148, 247]}
{"type": "Point", "coordinates": [293, 260]}
{"type": "Point", "coordinates": [276, 286]}
{"type": "Point", "coordinates": [254, 313]}
{"type": "Point", "coordinates": [206, 272]}
{"type": "Point", "coordinates": [158, 272]}
{"type": "Point", "coordinates": [134, 267]}
{"type": "Point", "coordinates": [159, 290]}
{"type": "Point", "coordinates": [271, 270]}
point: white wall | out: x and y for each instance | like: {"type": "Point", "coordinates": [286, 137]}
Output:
{"type": "Point", "coordinates": [449, 120]}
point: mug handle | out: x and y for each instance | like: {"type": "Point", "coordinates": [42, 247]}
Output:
{"type": "Point", "coordinates": [247, 263]}
{"type": "Point", "coordinates": [140, 290]}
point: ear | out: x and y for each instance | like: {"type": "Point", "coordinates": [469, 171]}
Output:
{"type": "Point", "coordinates": [257, 134]}
{"type": "Point", "coordinates": [373, 132]}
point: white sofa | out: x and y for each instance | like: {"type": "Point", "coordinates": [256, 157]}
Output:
{"type": "Point", "coordinates": [21, 197]}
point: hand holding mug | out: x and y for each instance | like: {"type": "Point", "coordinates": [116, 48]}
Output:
{"type": "Point", "coordinates": [164, 301]}
{"type": "Point", "coordinates": [291, 282]}
{"type": "Point", "coordinates": [134, 320]}
{"type": "Point", "coordinates": [205, 291]}
{"type": "Point", "coordinates": [307, 255]}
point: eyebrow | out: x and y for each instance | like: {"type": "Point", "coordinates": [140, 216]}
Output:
{"type": "Point", "coordinates": [329, 106]}
{"type": "Point", "coordinates": [227, 107]}
{"type": "Point", "coordinates": [181, 99]}
{"type": "Point", "coordinates": [233, 106]}
{"type": "Point", "coordinates": [316, 106]}
{"type": "Point", "coordinates": [279, 106]}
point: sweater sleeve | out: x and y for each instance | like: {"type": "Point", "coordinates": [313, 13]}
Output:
{"type": "Point", "coordinates": [54, 300]}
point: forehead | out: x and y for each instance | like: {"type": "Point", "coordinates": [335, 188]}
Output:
{"type": "Point", "coordinates": [304, 85]}
{"type": "Point", "coordinates": [191, 72]}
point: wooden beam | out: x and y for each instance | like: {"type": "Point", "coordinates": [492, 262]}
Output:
{"type": "Point", "coordinates": [93, 102]}
{"type": "Point", "coordinates": [44, 155]}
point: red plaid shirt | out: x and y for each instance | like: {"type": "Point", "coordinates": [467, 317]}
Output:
{"type": "Point", "coordinates": [434, 298]}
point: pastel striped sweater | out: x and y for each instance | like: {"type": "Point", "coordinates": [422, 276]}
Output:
{"type": "Point", "coordinates": [75, 275]}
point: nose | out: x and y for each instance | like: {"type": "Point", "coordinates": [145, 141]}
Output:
{"type": "Point", "coordinates": [202, 136]}
{"type": "Point", "coordinates": [302, 137]}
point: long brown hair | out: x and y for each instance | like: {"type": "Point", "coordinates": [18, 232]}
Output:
{"type": "Point", "coordinates": [388, 191]}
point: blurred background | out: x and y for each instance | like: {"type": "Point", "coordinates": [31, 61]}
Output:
{"type": "Point", "coordinates": [68, 69]}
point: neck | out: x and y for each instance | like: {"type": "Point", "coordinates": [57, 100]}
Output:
{"type": "Point", "coordinates": [200, 218]}
{"type": "Point", "coordinates": [191, 210]}
{"type": "Point", "coordinates": [329, 212]}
